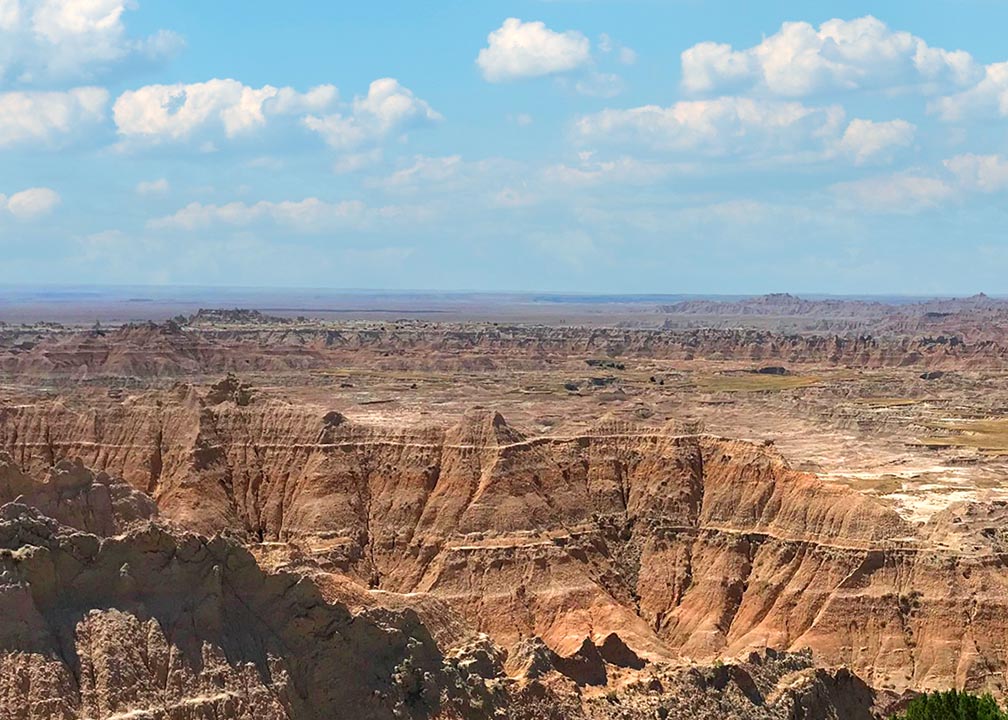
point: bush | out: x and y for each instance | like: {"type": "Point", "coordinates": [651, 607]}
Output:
{"type": "Point", "coordinates": [952, 705]}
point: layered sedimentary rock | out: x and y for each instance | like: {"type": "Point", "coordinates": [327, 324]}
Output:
{"type": "Point", "coordinates": [171, 350]}
{"type": "Point", "coordinates": [157, 623]}
{"type": "Point", "coordinates": [678, 546]}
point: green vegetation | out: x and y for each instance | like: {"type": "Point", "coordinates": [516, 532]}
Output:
{"type": "Point", "coordinates": [952, 705]}
{"type": "Point", "coordinates": [985, 435]}
{"type": "Point", "coordinates": [610, 364]}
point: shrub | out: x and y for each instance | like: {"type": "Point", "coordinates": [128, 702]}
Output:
{"type": "Point", "coordinates": [952, 705]}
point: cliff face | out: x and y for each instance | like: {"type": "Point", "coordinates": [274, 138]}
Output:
{"type": "Point", "coordinates": [151, 624]}
{"type": "Point", "coordinates": [681, 546]}
{"type": "Point", "coordinates": [154, 623]}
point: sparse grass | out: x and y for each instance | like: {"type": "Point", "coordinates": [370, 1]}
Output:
{"type": "Point", "coordinates": [754, 382]}
{"type": "Point", "coordinates": [990, 435]}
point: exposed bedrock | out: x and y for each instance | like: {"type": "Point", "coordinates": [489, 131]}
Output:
{"type": "Point", "coordinates": [169, 350]}
{"type": "Point", "coordinates": [682, 546]}
{"type": "Point", "coordinates": [155, 625]}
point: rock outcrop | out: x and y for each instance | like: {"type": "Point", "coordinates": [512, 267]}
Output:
{"type": "Point", "coordinates": [155, 623]}
{"type": "Point", "coordinates": [150, 624]}
{"type": "Point", "coordinates": [682, 546]}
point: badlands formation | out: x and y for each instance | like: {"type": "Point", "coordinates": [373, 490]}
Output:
{"type": "Point", "coordinates": [773, 508]}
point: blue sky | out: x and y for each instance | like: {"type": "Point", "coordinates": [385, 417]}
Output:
{"type": "Point", "coordinates": [592, 146]}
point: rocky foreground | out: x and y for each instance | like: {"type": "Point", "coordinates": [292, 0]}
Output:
{"type": "Point", "coordinates": [261, 558]}
{"type": "Point", "coordinates": [109, 612]}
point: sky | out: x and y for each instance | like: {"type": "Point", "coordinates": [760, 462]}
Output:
{"type": "Point", "coordinates": [595, 146]}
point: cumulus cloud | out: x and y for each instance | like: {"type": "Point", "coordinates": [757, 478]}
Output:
{"type": "Point", "coordinates": [800, 60]}
{"type": "Point", "coordinates": [914, 191]}
{"type": "Point", "coordinates": [865, 140]}
{"type": "Point", "coordinates": [387, 109]}
{"type": "Point", "coordinates": [46, 40]}
{"type": "Point", "coordinates": [48, 117]}
{"type": "Point", "coordinates": [520, 49]}
{"type": "Point", "coordinates": [747, 127]}
{"type": "Point", "coordinates": [179, 112]}
{"type": "Point", "coordinates": [31, 203]}
{"type": "Point", "coordinates": [988, 98]}
{"type": "Point", "coordinates": [723, 126]}
{"type": "Point", "coordinates": [983, 173]}
{"type": "Point", "coordinates": [900, 193]}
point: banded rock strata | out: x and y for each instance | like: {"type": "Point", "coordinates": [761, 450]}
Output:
{"type": "Point", "coordinates": [684, 547]}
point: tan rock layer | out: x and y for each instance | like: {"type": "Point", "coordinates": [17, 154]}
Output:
{"type": "Point", "coordinates": [683, 546]}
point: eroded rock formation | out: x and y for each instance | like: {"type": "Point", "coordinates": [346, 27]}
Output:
{"type": "Point", "coordinates": [170, 350]}
{"type": "Point", "coordinates": [634, 541]}
{"type": "Point", "coordinates": [157, 623]}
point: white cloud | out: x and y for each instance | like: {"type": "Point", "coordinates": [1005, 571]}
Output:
{"type": "Point", "coordinates": [387, 109]}
{"type": "Point", "coordinates": [722, 126]}
{"type": "Point", "coordinates": [451, 178]}
{"type": "Point", "coordinates": [44, 40]}
{"type": "Point", "coordinates": [988, 98]}
{"type": "Point", "coordinates": [355, 162]}
{"type": "Point", "coordinates": [46, 117]}
{"type": "Point", "coordinates": [865, 140]}
{"type": "Point", "coordinates": [800, 60]}
{"type": "Point", "coordinates": [152, 187]}
{"type": "Point", "coordinates": [310, 214]}
{"type": "Point", "coordinates": [530, 49]}
{"type": "Point", "coordinates": [626, 56]}
{"type": "Point", "coordinates": [748, 127]}
{"type": "Point", "coordinates": [588, 171]}
{"type": "Point", "coordinates": [178, 112]}
{"type": "Point", "coordinates": [424, 171]}
{"type": "Point", "coordinates": [901, 193]}
{"type": "Point", "coordinates": [30, 203]}
{"type": "Point", "coordinates": [985, 173]}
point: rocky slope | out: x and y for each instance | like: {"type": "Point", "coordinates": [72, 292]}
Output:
{"type": "Point", "coordinates": [161, 624]}
{"type": "Point", "coordinates": [672, 546]}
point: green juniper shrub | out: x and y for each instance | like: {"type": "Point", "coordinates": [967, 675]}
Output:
{"type": "Point", "coordinates": [952, 705]}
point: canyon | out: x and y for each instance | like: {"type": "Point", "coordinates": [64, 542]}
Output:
{"type": "Point", "coordinates": [237, 515]}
